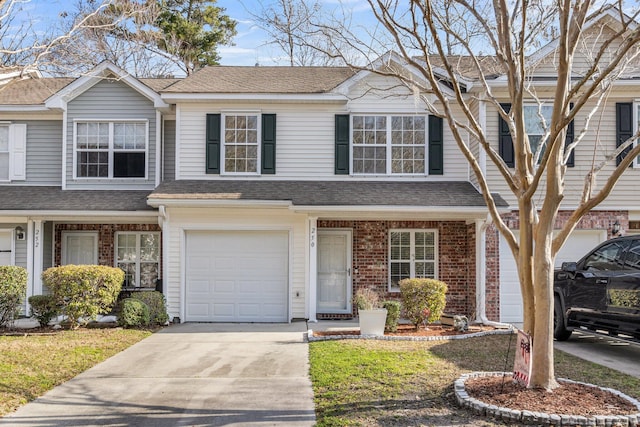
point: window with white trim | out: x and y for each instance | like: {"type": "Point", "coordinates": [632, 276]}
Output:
{"type": "Point", "coordinates": [241, 143]}
{"type": "Point", "coordinates": [536, 121]}
{"type": "Point", "coordinates": [412, 254]}
{"type": "Point", "coordinates": [114, 149]}
{"type": "Point", "coordinates": [4, 153]}
{"type": "Point", "coordinates": [138, 255]}
{"type": "Point", "coordinates": [389, 144]}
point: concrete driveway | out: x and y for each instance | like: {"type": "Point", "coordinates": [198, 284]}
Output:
{"type": "Point", "coordinates": [189, 375]}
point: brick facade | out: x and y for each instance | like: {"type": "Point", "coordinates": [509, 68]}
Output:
{"type": "Point", "coordinates": [595, 220]}
{"type": "Point", "coordinates": [106, 238]}
{"type": "Point", "coordinates": [456, 258]}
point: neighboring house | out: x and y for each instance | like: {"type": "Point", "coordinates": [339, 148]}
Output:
{"type": "Point", "coordinates": [265, 194]}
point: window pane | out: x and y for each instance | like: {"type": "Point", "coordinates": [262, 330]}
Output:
{"type": "Point", "coordinates": [4, 139]}
{"type": "Point", "coordinates": [608, 257]}
{"type": "Point", "coordinates": [4, 166]}
{"type": "Point", "coordinates": [129, 165]}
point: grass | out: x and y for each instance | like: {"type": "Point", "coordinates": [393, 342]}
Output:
{"type": "Point", "coordinates": [30, 365]}
{"type": "Point", "coordinates": [368, 382]}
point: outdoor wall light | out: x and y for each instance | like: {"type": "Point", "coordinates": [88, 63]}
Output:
{"type": "Point", "coordinates": [19, 233]}
{"type": "Point", "coordinates": [615, 229]}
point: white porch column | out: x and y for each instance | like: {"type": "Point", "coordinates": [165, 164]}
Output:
{"type": "Point", "coordinates": [38, 256]}
{"type": "Point", "coordinates": [312, 298]}
{"type": "Point", "coordinates": [30, 240]}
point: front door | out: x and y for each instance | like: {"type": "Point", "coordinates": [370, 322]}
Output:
{"type": "Point", "coordinates": [6, 247]}
{"type": "Point", "coordinates": [79, 248]}
{"type": "Point", "coordinates": [334, 271]}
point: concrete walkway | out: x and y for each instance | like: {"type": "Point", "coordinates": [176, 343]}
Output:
{"type": "Point", "coordinates": [189, 375]}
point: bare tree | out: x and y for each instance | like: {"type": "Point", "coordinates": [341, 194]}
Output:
{"type": "Point", "coordinates": [452, 87]}
{"type": "Point", "coordinates": [53, 47]}
{"type": "Point", "coordinates": [288, 24]}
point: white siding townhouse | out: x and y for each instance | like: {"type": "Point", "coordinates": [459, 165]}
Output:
{"type": "Point", "coordinates": [266, 194]}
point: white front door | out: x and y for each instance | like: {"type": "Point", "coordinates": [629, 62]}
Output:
{"type": "Point", "coordinates": [6, 247]}
{"type": "Point", "coordinates": [334, 271]}
{"type": "Point", "coordinates": [79, 248]}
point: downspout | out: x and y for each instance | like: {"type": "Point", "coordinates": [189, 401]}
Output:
{"type": "Point", "coordinates": [481, 276]}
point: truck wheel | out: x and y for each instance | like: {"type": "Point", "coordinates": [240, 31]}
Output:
{"type": "Point", "coordinates": [560, 331]}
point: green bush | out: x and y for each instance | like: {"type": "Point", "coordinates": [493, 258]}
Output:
{"type": "Point", "coordinates": [157, 306]}
{"type": "Point", "coordinates": [13, 288]}
{"type": "Point", "coordinates": [44, 308]}
{"type": "Point", "coordinates": [423, 300]}
{"type": "Point", "coordinates": [134, 313]}
{"type": "Point", "coordinates": [84, 290]}
{"type": "Point", "coordinates": [393, 315]}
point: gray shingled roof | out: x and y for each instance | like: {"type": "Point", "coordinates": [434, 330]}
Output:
{"type": "Point", "coordinates": [31, 91]}
{"type": "Point", "coordinates": [222, 79]}
{"type": "Point", "coordinates": [23, 198]}
{"type": "Point", "coordinates": [329, 193]}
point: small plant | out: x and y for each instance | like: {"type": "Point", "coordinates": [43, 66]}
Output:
{"type": "Point", "coordinates": [44, 308]}
{"type": "Point", "coordinates": [393, 315]}
{"type": "Point", "coordinates": [84, 290]}
{"type": "Point", "coordinates": [157, 306]}
{"type": "Point", "coordinates": [13, 288]}
{"type": "Point", "coordinates": [423, 300]}
{"type": "Point", "coordinates": [367, 298]}
{"type": "Point", "coordinates": [134, 313]}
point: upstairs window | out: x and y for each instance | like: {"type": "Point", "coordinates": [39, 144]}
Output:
{"type": "Point", "coordinates": [111, 149]}
{"type": "Point", "coordinates": [389, 145]}
{"type": "Point", "coordinates": [536, 120]}
{"type": "Point", "coordinates": [241, 143]}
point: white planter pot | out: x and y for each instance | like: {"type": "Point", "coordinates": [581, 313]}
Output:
{"type": "Point", "coordinates": [372, 321]}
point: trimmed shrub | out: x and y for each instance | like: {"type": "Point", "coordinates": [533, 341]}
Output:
{"type": "Point", "coordinates": [423, 300]}
{"type": "Point", "coordinates": [44, 308]}
{"type": "Point", "coordinates": [13, 289]}
{"type": "Point", "coordinates": [133, 313]}
{"type": "Point", "coordinates": [84, 290]}
{"type": "Point", "coordinates": [393, 315]}
{"type": "Point", "coordinates": [157, 306]}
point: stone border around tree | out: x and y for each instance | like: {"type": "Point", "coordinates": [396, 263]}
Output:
{"type": "Point", "coordinates": [309, 336]}
{"type": "Point", "coordinates": [540, 418]}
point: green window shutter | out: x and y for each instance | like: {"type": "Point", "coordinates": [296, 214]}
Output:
{"type": "Point", "coordinates": [213, 145]}
{"type": "Point", "coordinates": [268, 144]}
{"type": "Point", "coordinates": [624, 126]}
{"type": "Point", "coordinates": [436, 146]}
{"type": "Point", "coordinates": [505, 143]}
{"type": "Point", "coordinates": [342, 144]}
{"type": "Point", "coordinates": [569, 140]}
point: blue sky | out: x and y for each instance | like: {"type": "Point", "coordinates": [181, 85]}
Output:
{"type": "Point", "coordinates": [250, 43]}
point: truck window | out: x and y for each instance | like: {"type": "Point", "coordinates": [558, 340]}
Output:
{"type": "Point", "coordinates": [606, 258]}
{"type": "Point", "coordinates": [632, 261]}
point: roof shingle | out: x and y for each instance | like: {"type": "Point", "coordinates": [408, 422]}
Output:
{"type": "Point", "coordinates": [222, 79]}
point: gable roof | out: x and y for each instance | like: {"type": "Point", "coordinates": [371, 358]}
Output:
{"type": "Point", "coordinates": [262, 80]}
{"type": "Point", "coordinates": [105, 70]}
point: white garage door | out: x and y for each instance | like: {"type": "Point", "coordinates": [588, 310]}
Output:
{"type": "Point", "coordinates": [578, 244]}
{"type": "Point", "coordinates": [237, 276]}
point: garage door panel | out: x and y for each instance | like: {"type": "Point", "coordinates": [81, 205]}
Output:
{"type": "Point", "coordinates": [577, 245]}
{"type": "Point", "coordinates": [246, 274]}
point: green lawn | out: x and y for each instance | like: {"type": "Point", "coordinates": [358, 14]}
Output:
{"type": "Point", "coordinates": [406, 383]}
{"type": "Point", "coordinates": [30, 365]}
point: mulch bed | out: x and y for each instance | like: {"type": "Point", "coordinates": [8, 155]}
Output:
{"type": "Point", "coordinates": [569, 398]}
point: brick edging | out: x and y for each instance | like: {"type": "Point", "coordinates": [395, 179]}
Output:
{"type": "Point", "coordinates": [540, 418]}
{"type": "Point", "coordinates": [311, 338]}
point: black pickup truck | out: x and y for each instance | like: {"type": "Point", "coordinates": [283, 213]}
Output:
{"type": "Point", "coordinates": [601, 292]}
